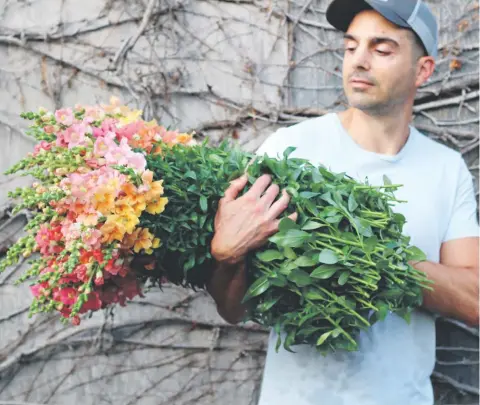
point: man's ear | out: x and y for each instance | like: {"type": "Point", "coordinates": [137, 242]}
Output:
{"type": "Point", "coordinates": [425, 69]}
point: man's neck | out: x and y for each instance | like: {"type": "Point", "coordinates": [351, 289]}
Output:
{"type": "Point", "coordinates": [380, 134]}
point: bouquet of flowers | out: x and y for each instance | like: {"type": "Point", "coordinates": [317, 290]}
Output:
{"type": "Point", "coordinates": [119, 201]}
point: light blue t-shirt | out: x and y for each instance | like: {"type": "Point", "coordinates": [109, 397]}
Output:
{"type": "Point", "coordinates": [395, 359]}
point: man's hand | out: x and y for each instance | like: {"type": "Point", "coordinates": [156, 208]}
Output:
{"type": "Point", "coordinates": [245, 223]}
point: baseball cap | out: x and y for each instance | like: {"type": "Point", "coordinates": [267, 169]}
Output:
{"type": "Point", "coordinates": [412, 14]}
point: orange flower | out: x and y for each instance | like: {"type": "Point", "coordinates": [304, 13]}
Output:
{"type": "Point", "coordinates": [184, 138]}
{"type": "Point", "coordinates": [129, 189]}
{"type": "Point", "coordinates": [112, 229]}
{"type": "Point", "coordinates": [157, 206]}
{"type": "Point", "coordinates": [130, 239]}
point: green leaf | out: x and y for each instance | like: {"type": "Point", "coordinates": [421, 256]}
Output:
{"type": "Point", "coordinates": [386, 180]}
{"type": "Point", "coordinates": [370, 244]}
{"type": "Point", "coordinates": [316, 176]}
{"type": "Point", "coordinates": [334, 220]}
{"type": "Point", "coordinates": [267, 305]}
{"type": "Point", "coordinates": [336, 332]}
{"type": "Point", "coordinates": [191, 174]}
{"type": "Point", "coordinates": [258, 287]}
{"type": "Point", "coordinates": [327, 256]}
{"type": "Point", "coordinates": [269, 255]}
{"type": "Point", "coordinates": [289, 253]}
{"type": "Point", "coordinates": [308, 194]}
{"type": "Point", "coordinates": [352, 203]}
{"type": "Point", "coordinates": [189, 263]}
{"type": "Point", "coordinates": [287, 224]}
{"type": "Point", "coordinates": [279, 280]}
{"type": "Point", "coordinates": [292, 238]}
{"type": "Point", "coordinates": [287, 152]}
{"type": "Point", "coordinates": [216, 159]}
{"type": "Point", "coordinates": [300, 277]}
{"type": "Point", "coordinates": [324, 272]}
{"type": "Point", "coordinates": [203, 203]}
{"type": "Point", "coordinates": [382, 310]}
{"type": "Point", "coordinates": [314, 294]}
{"type": "Point", "coordinates": [416, 255]}
{"type": "Point", "coordinates": [343, 277]}
{"type": "Point", "coordinates": [305, 261]}
{"type": "Point", "coordinates": [311, 225]}
{"type": "Point", "coordinates": [323, 337]}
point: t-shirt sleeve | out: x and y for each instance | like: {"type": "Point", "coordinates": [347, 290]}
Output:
{"type": "Point", "coordinates": [463, 219]}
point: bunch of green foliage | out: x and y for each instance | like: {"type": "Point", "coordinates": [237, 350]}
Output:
{"type": "Point", "coordinates": [342, 266]}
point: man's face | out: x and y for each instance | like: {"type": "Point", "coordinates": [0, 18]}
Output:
{"type": "Point", "coordinates": [379, 70]}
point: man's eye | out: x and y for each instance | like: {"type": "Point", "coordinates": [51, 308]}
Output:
{"type": "Point", "coordinates": [349, 49]}
{"type": "Point", "coordinates": [383, 53]}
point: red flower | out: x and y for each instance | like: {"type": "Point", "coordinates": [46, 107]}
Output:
{"type": "Point", "coordinates": [67, 295]}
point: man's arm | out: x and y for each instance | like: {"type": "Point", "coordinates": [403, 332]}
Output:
{"type": "Point", "coordinates": [456, 281]}
{"type": "Point", "coordinates": [228, 286]}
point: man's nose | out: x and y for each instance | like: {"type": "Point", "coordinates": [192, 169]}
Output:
{"type": "Point", "coordinates": [361, 58]}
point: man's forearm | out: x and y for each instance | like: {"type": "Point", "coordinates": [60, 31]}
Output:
{"type": "Point", "coordinates": [455, 291]}
{"type": "Point", "coordinates": [227, 287]}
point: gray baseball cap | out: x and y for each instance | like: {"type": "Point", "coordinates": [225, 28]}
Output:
{"type": "Point", "coordinates": [412, 14]}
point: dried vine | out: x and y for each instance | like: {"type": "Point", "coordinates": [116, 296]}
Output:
{"type": "Point", "coordinates": [227, 69]}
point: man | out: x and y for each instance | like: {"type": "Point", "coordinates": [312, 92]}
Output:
{"type": "Point", "coordinates": [390, 47]}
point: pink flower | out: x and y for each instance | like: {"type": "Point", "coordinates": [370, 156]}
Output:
{"type": "Point", "coordinates": [49, 129]}
{"type": "Point", "coordinates": [60, 141]}
{"type": "Point", "coordinates": [137, 161]}
{"type": "Point", "coordinates": [43, 239]}
{"type": "Point", "coordinates": [89, 217]}
{"type": "Point", "coordinates": [43, 145]}
{"type": "Point", "coordinates": [108, 125]}
{"type": "Point", "coordinates": [91, 237]}
{"type": "Point", "coordinates": [104, 144]}
{"type": "Point", "coordinates": [39, 289]}
{"type": "Point", "coordinates": [64, 116]}
{"type": "Point", "coordinates": [67, 295]}
{"type": "Point", "coordinates": [81, 272]}
{"type": "Point", "coordinates": [75, 135]}
{"type": "Point", "coordinates": [71, 231]}
{"type": "Point", "coordinates": [129, 130]}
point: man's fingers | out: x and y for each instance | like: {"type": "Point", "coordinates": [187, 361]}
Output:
{"type": "Point", "coordinates": [269, 197]}
{"type": "Point", "coordinates": [293, 216]}
{"type": "Point", "coordinates": [279, 206]}
{"type": "Point", "coordinates": [259, 186]}
{"type": "Point", "coordinates": [235, 187]}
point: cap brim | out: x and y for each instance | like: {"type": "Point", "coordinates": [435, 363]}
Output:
{"type": "Point", "coordinates": [340, 13]}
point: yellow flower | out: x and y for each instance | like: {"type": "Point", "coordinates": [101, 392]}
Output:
{"type": "Point", "coordinates": [144, 240]}
{"type": "Point", "coordinates": [123, 207]}
{"type": "Point", "coordinates": [103, 200]}
{"type": "Point", "coordinates": [157, 206]}
{"type": "Point", "coordinates": [155, 191]}
{"type": "Point", "coordinates": [130, 116]}
{"type": "Point", "coordinates": [129, 221]}
{"type": "Point", "coordinates": [138, 207]}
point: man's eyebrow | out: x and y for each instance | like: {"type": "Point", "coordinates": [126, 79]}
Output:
{"type": "Point", "coordinates": [374, 40]}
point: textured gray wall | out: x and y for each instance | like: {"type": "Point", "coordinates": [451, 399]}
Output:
{"type": "Point", "coordinates": [228, 69]}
